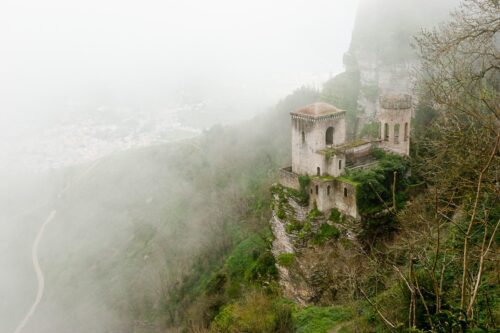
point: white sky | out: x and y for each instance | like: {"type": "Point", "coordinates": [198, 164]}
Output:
{"type": "Point", "coordinates": [55, 50]}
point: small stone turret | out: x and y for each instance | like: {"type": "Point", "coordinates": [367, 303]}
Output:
{"type": "Point", "coordinates": [395, 118]}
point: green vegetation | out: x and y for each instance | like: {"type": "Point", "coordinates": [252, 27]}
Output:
{"type": "Point", "coordinates": [377, 196]}
{"type": "Point", "coordinates": [326, 232]}
{"type": "Point", "coordinates": [245, 256]}
{"type": "Point", "coordinates": [303, 194]}
{"type": "Point", "coordinates": [286, 259]}
{"type": "Point", "coordinates": [314, 319]}
{"type": "Point", "coordinates": [281, 213]}
{"type": "Point", "coordinates": [293, 226]}
{"type": "Point", "coordinates": [348, 180]}
{"type": "Point", "coordinates": [376, 184]}
{"type": "Point", "coordinates": [335, 215]}
{"type": "Point", "coordinates": [328, 154]}
{"type": "Point", "coordinates": [255, 313]}
{"type": "Point", "coordinates": [314, 213]}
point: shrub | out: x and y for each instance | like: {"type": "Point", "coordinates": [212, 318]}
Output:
{"type": "Point", "coordinates": [216, 284]}
{"type": "Point", "coordinates": [374, 192]}
{"type": "Point", "coordinates": [293, 226]}
{"type": "Point", "coordinates": [264, 269]}
{"type": "Point", "coordinates": [314, 213]}
{"type": "Point", "coordinates": [314, 319]}
{"type": "Point", "coordinates": [255, 313]}
{"type": "Point", "coordinates": [303, 194]}
{"type": "Point", "coordinates": [335, 215]}
{"type": "Point", "coordinates": [286, 259]}
{"type": "Point", "coordinates": [325, 233]}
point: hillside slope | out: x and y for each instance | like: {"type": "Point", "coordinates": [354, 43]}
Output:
{"type": "Point", "coordinates": [142, 227]}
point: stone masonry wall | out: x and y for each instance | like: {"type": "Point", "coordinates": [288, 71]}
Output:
{"type": "Point", "coordinates": [305, 159]}
{"type": "Point", "coordinates": [328, 194]}
{"type": "Point", "coordinates": [289, 179]}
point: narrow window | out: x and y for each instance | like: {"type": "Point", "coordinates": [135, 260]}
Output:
{"type": "Point", "coordinates": [317, 189]}
{"type": "Point", "coordinates": [311, 191]}
{"type": "Point", "coordinates": [386, 132]}
{"type": "Point", "coordinates": [406, 131]}
{"type": "Point", "coordinates": [303, 137]}
{"type": "Point", "coordinates": [396, 133]}
{"type": "Point", "coordinates": [340, 164]}
{"type": "Point", "coordinates": [328, 190]}
{"type": "Point", "coordinates": [329, 136]}
{"type": "Point", "coordinates": [318, 171]}
{"type": "Point", "coordinates": [345, 191]}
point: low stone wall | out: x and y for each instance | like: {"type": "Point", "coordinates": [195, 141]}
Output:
{"type": "Point", "coordinates": [359, 155]}
{"type": "Point", "coordinates": [288, 178]}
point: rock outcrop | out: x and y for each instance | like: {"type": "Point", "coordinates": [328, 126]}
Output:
{"type": "Point", "coordinates": [305, 246]}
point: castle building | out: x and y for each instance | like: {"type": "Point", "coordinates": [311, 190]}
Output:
{"type": "Point", "coordinates": [320, 150]}
{"type": "Point", "coordinates": [316, 127]}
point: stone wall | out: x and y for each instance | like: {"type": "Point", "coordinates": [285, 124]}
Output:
{"type": "Point", "coordinates": [335, 193]}
{"type": "Point", "coordinates": [345, 198]}
{"type": "Point", "coordinates": [360, 154]}
{"type": "Point", "coordinates": [288, 179]}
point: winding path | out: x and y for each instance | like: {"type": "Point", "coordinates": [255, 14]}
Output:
{"type": "Point", "coordinates": [38, 271]}
{"type": "Point", "coordinates": [34, 252]}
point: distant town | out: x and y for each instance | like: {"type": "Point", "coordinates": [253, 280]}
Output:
{"type": "Point", "coordinates": [79, 139]}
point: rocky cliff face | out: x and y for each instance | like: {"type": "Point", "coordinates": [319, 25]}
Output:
{"type": "Point", "coordinates": [311, 250]}
{"type": "Point", "coordinates": [381, 49]}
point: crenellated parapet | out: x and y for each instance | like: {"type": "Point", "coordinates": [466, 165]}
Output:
{"type": "Point", "coordinates": [396, 102]}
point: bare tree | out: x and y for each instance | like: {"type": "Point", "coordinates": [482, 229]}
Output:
{"type": "Point", "coordinates": [460, 74]}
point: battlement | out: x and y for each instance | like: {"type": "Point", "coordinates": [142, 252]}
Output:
{"type": "Point", "coordinates": [396, 102]}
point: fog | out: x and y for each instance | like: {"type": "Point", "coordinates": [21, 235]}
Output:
{"type": "Point", "coordinates": [92, 202]}
{"type": "Point", "coordinates": [138, 142]}
{"type": "Point", "coordinates": [61, 56]}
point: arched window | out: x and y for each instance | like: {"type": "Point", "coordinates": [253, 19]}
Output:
{"type": "Point", "coordinates": [303, 137]}
{"type": "Point", "coordinates": [328, 190]}
{"type": "Point", "coordinates": [340, 164]}
{"type": "Point", "coordinates": [386, 132]}
{"type": "Point", "coordinates": [406, 131]}
{"type": "Point", "coordinates": [329, 136]}
{"type": "Point", "coordinates": [318, 171]}
{"type": "Point", "coordinates": [396, 133]}
{"type": "Point", "coordinates": [345, 191]}
{"type": "Point", "coordinates": [317, 189]}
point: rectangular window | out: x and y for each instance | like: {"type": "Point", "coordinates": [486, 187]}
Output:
{"type": "Point", "coordinates": [340, 164]}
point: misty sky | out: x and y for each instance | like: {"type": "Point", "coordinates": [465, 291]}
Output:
{"type": "Point", "coordinates": [58, 52]}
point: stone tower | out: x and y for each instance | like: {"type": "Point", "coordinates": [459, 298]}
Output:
{"type": "Point", "coordinates": [395, 115]}
{"type": "Point", "coordinates": [315, 128]}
